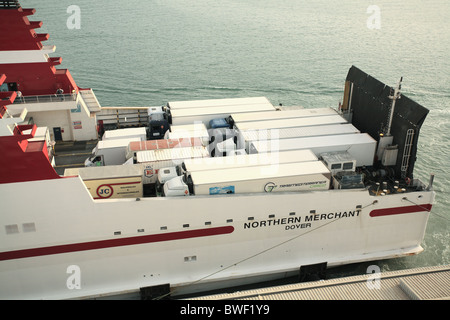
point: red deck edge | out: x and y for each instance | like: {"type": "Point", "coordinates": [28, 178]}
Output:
{"type": "Point", "coordinates": [104, 244]}
{"type": "Point", "coordinates": [400, 210]}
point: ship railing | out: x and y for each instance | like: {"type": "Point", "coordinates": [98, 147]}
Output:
{"type": "Point", "coordinates": [9, 4]}
{"type": "Point", "coordinates": [45, 98]}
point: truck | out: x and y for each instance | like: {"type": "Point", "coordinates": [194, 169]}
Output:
{"type": "Point", "coordinates": [136, 146]}
{"type": "Point", "coordinates": [288, 177]}
{"type": "Point", "coordinates": [361, 146]}
{"type": "Point", "coordinates": [237, 161]}
{"type": "Point", "coordinates": [110, 182]}
{"type": "Point", "coordinates": [158, 122]}
{"type": "Point", "coordinates": [196, 130]}
{"type": "Point", "coordinates": [151, 161]}
{"type": "Point", "coordinates": [246, 137]}
{"type": "Point", "coordinates": [109, 152]}
{"type": "Point", "coordinates": [140, 132]}
{"type": "Point", "coordinates": [188, 112]}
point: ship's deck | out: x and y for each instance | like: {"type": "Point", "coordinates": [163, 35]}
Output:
{"type": "Point", "coordinates": [72, 154]}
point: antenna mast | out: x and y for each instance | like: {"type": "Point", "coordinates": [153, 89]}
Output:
{"type": "Point", "coordinates": [394, 97]}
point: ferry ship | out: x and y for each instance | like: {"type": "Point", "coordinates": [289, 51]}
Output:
{"type": "Point", "coordinates": [345, 194]}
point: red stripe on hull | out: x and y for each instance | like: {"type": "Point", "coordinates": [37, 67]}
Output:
{"type": "Point", "coordinates": [400, 210]}
{"type": "Point", "coordinates": [103, 244]}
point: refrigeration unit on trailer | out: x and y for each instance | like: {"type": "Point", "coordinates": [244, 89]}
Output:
{"type": "Point", "coordinates": [343, 169]}
{"type": "Point", "coordinates": [238, 161]}
{"type": "Point", "coordinates": [361, 146]}
{"type": "Point", "coordinates": [287, 177]}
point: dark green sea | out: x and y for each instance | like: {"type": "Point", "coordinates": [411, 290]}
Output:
{"type": "Point", "coordinates": [145, 53]}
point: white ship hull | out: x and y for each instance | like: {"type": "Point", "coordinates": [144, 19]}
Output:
{"type": "Point", "coordinates": [206, 242]}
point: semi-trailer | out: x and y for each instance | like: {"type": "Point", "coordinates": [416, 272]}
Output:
{"type": "Point", "coordinates": [248, 136]}
{"type": "Point", "coordinates": [280, 114]}
{"type": "Point", "coordinates": [126, 133]}
{"type": "Point", "coordinates": [360, 146]}
{"type": "Point", "coordinates": [196, 130]}
{"type": "Point", "coordinates": [137, 146]}
{"type": "Point", "coordinates": [288, 177]}
{"type": "Point", "coordinates": [237, 161]}
{"type": "Point", "coordinates": [212, 103]}
{"type": "Point", "coordinates": [110, 182]}
{"type": "Point", "coordinates": [205, 115]}
{"type": "Point", "coordinates": [290, 123]}
{"type": "Point", "coordinates": [189, 112]}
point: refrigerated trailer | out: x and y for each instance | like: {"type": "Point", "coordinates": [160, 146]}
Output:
{"type": "Point", "coordinates": [126, 133]}
{"type": "Point", "coordinates": [137, 146]}
{"type": "Point", "coordinates": [238, 161]}
{"type": "Point", "coordinates": [205, 114]}
{"type": "Point", "coordinates": [189, 112]}
{"type": "Point", "coordinates": [110, 182]}
{"type": "Point", "coordinates": [361, 146]}
{"type": "Point", "coordinates": [290, 123]}
{"type": "Point", "coordinates": [248, 136]}
{"type": "Point", "coordinates": [281, 114]}
{"type": "Point", "coordinates": [212, 103]}
{"type": "Point", "coordinates": [196, 130]}
{"type": "Point", "coordinates": [288, 177]}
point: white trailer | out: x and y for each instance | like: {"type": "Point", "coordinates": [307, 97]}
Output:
{"type": "Point", "coordinates": [110, 182]}
{"type": "Point", "coordinates": [290, 123]}
{"type": "Point", "coordinates": [288, 177]}
{"type": "Point", "coordinates": [205, 114]}
{"type": "Point", "coordinates": [137, 146]}
{"type": "Point", "coordinates": [196, 130]}
{"type": "Point", "coordinates": [211, 103]}
{"type": "Point", "coordinates": [238, 161]}
{"type": "Point", "coordinates": [360, 146]}
{"type": "Point", "coordinates": [109, 152]}
{"type": "Point", "coordinates": [246, 137]}
{"type": "Point", "coordinates": [152, 161]}
{"type": "Point", "coordinates": [282, 114]}
{"type": "Point", "coordinates": [127, 133]}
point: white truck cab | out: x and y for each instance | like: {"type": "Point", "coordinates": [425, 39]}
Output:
{"type": "Point", "coordinates": [166, 174]}
{"type": "Point", "coordinates": [176, 187]}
